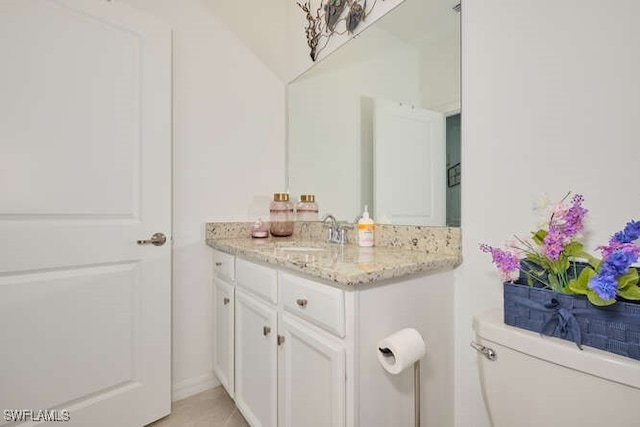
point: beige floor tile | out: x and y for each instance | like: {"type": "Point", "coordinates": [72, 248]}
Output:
{"type": "Point", "coordinates": [211, 408]}
{"type": "Point", "coordinates": [236, 420]}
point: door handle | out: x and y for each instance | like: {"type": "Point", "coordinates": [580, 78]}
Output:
{"type": "Point", "coordinates": [158, 239]}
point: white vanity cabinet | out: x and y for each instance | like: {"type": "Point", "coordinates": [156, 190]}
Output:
{"type": "Point", "coordinates": [288, 372]}
{"type": "Point", "coordinates": [305, 351]}
{"type": "Point", "coordinates": [311, 376]}
{"type": "Point", "coordinates": [256, 360]}
{"type": "Point", "coordinates": [223, 321]}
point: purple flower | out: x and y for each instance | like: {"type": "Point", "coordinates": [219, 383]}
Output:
{"type": "Point", "coordinates": [553, 244]}
{"type": "Point", "coordinates": [574, 216]}
{"type": "Point", "coordinates": [617, 257]}
{"type": "Point", "coordinates": [619, 261]}
{"type": "Point", "coordinates": [630, 233]}
{"type": "Point", "coordinates": [622, 240]}
{"type": "Point", "coordinates": [506, 262]}
{"type": "Point", "coordinates": [604, 285]}
{"type": "Point", "coordinates": [564, 225]}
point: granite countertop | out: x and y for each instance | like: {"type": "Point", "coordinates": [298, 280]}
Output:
{"type": "Point", "coordinates": [347, 264]}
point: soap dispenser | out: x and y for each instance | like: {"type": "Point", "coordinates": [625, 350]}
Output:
{"type": "Point", "coordinates": [365, 229]}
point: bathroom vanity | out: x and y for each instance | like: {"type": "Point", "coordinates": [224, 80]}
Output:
{"type": "Point", "coordinates": [297, 322]}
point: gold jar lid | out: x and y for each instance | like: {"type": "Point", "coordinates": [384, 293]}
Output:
{"type": "Point", "coordinates": [280, 197]}
{"type": "Point", "coordinates": [307, 198]}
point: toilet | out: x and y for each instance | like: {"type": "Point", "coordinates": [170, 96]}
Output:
{"type": "Point", "coordinates": [544, 381]}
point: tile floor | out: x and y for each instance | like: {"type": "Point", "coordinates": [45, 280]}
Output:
{"type": "Point", "coordinates": [211, 408]}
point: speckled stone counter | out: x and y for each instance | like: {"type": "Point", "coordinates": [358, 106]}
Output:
{"type": "Point", "coordinates": [399, 251]}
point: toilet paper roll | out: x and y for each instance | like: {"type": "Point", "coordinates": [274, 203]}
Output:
{"type": "Point", "coordinates": [401, 350]}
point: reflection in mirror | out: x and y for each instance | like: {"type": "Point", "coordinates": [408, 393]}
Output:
{"type": "Point", "coordinates": [377, 122]}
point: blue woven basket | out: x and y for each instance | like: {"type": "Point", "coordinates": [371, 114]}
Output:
{"type": "Point", "coordinates": [614, 328]}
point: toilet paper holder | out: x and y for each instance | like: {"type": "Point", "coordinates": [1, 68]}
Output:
{"type": "Point", "coordinates": [416, 384]}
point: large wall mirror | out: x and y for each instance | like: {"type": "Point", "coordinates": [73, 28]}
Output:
{"type": "Point", "coordinates": [377, 122]}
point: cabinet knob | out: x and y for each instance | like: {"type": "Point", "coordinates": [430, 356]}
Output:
{"type": "Point", "coordinates": [302, 302]}
{"type": "Point", "coordinates": [280, 339]}
{"type": "Point", "coordinates": [218, 264]}
{"type": "Point", "coordinates": [226, 300]}
{"type": "Point", "coordinates": [266, 330]}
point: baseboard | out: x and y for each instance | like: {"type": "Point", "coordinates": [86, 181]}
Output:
{"type": "Point", "coordinates": [192, 386]}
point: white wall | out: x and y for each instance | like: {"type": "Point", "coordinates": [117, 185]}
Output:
{"type": "Point", "coordinates": [261, 26]}
{"type": "Point", "coordinates": [551, 102]}
{"type": "Point", "coordinates": [228, 158]}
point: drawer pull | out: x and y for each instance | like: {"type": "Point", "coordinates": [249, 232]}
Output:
{"type": "Point", "coordinates": [218, 264]}
{"type": "Point", "coordinates": [226, 300]}
{"type": "Point", "coordinates": [280, 339]}
{"type": "Point", "coordinates": [266, 330]}
{"type": "Point", "coordinates": [302, 302]}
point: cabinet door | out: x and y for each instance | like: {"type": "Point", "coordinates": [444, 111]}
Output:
{"type": "Point", "coordinates": [311, 377]}
{"type": "Point", "coordinates": [256, 360]}
{"type": "Point", "coordinates": [223, 348]}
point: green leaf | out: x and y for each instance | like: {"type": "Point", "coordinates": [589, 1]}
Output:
{"type": "Point", "coordinates": [593, 261]}
{"type": "Point", "coordinates": [532, 257]}
{"type": "Point", "coordinates": [529, 281]}
{"type": "Point", "coordinates": [628, 279]}
{"type": "Point", "coordinates": [630, 292]}
{"type": "Point", "coordinates": [555, 284]}
{"type": "Point", "coordinates": [539, 236]}
{"type": "Point", "coordinates": [574, 288]}
{"type": "Point", "coordinates": [562, 265]}
{"type": "Point", "coordinates": [596, 300]}
{"type": "Point", "coordinates": [579, 285]}
{"type": "Point", "coordinates": [533, 276]}
{"type": "Point", "coordinates": [573, 249]}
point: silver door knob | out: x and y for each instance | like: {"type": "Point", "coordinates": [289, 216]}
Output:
{"type": "Point", "coordinates": [157, 239]}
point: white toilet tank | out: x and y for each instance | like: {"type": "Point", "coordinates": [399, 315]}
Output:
{"type": "Point", "coordinates": [547, 382]}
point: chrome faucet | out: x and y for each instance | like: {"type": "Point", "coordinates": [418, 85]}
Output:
{"type": "Point", "coordinates": [336, 233]}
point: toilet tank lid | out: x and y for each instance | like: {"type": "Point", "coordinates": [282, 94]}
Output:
{"type": "Point", "coordinates": [490, 326]}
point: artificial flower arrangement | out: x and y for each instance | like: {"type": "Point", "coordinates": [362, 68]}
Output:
{"type": "Point", "coordinates": [551, 253]}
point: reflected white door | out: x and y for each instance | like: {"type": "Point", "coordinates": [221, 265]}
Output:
{"type": "Point", "coordinates": [85, 152]}
{"type": "Point", "coordinates": [409, 165]}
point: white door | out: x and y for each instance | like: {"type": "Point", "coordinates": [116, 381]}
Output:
{"type": "Point", "coordinates": [409, 165]}
{"type": "Point", "coordinates": [256, 360]}
{"type": "Point", "coordinates": [311, 378]}
{"type": "Point", "coordinates": [85, 152]}
{"type": "Point", "coordinates": [223, 354]}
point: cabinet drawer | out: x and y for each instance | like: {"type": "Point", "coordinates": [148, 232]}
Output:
{"type": "Point", "coordinates": [318, 303]}
{"type": "Point", "coordinates": [260, 280]}
{"type": "Point", "coordinates": [223, 265]}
